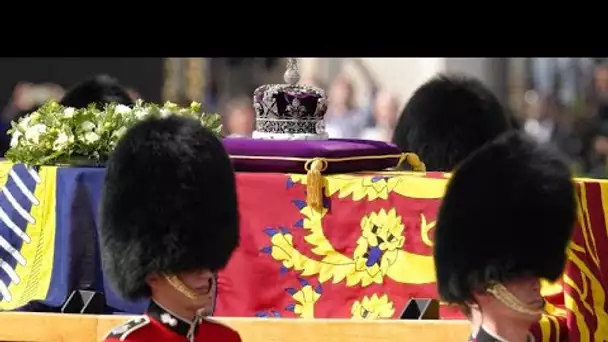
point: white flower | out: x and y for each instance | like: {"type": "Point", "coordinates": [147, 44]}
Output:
{"type": "Point", "coordinates": [25, 122]}
{"type": "Point", "coordinates": [122, 109]}
{"type": "Point", "coordinates": [91, 137]}
{"type": "Point", "coordinates": [140, 114]}
{"type": "Point", "coordinates": [68, 112]}
{"type": "Point", "coordinates": [33, 133]}
{"type": "Point", "coordinates": [87, 126]}
{"type": "Point", "coordinates": [61, 141]}
{"type": "Point", "coordinates": [119, 132]}
{"type": "Point", "coordinates": [15, 138]}
{"type": "Point", "coordinates": [93, 133]}
{"type": "Point", "coordinates": [164, 113]}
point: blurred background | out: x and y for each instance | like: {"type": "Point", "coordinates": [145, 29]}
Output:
{"type": "Point", "coordinates": [559, 101]}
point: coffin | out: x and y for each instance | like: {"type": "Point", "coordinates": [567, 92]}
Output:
{"type": "Point", "coordinates": [294, 261]}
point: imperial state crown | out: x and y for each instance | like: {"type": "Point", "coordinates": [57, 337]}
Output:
{"type": "Point", "coordinates": [290, 111]}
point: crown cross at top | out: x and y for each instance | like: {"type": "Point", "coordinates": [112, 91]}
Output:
{"type": "Point", "coordinates": [290, 111]}
{"type": "Point", "coordinates": [292, 76]}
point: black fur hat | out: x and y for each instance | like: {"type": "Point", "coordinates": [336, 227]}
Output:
{"type": "Point", "coordinates": [169, 204]}
{"type": "Point", "coordinates": [447, 118]}
{"type": "Point", "coordinates": [509, 211]}
{"type": "Point", "coordinates": [100, 90]}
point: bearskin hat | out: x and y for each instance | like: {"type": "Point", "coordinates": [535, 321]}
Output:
{"type": "Point", "coordinates": [509, 211]}
{"type": "Point", "coordinates": [447, 118]}
{"type": "Point", "coordinates": [169, 204]}
{"type": "Point", "coordinates": [100, 90]}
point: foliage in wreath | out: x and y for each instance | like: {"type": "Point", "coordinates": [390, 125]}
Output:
{"type": "Point", "coordinates": [54, 134]}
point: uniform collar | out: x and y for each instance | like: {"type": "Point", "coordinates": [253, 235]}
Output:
{"type": "Point", "coordinates": [172, 321]}
{"type": "Point", "coordinates": [485, 336]}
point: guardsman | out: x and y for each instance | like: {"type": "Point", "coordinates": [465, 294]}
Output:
{"type": "Point", "coordinates": [504, 224]}
{"type": "Point", "coordinates": [169, 222]}
{"type": "Point", "coordinates": [99, 90]}
{"type": "Point", "coordinates": [449, 117]}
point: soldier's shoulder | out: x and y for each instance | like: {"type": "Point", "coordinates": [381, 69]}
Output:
{"type": "Point", "coordinates": [122, 332]}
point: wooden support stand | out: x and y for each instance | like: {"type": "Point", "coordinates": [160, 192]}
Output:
{"type": "Point", "coordinates": [38, 327]}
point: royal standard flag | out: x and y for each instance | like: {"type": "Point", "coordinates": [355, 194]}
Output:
{"type": "Point", "coordinates": [369, 250]}
{"type": "Point", "coordinates": [362, 256]}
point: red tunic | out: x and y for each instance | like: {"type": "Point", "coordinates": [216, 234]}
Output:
{"type": "Point", "coordinates": [159, 324]}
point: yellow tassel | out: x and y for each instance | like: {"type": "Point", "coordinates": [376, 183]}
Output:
{"type": "Point", "coordinates": [413, 160]}
{"type": "Point", "coordinates": [314, 182]}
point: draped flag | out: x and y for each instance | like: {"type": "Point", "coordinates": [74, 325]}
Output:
{"type": "Point", "coordinates": [362, 256]}
{"type": "Point", "coordinates": [27, 236]}
{"type": "Point", "coordinates": [369, 250]}
{"type": "Point", "coordinates": [47, 237]}
{"type": "Point", "coordinates": [586, 275]}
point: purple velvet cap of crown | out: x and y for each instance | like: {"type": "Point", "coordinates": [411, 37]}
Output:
{"type": "Point", "coordinates": [308, 149]}
{"type": "Point", "coordinates": [283, 108]}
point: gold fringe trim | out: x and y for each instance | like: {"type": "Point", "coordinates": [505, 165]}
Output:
{"type": "Point", "coordinates": [314, 168]}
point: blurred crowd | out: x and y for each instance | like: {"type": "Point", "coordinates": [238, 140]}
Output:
{"type": "Point", "coordinates": [556, 110]}
{"type": "Point", "coordinates": [551, 114]}
{"type": "Point", "coordinates": [578, 127]}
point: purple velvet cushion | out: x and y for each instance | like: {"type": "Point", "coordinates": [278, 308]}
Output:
{"type": "Point", "coordinates": [241, 148]}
